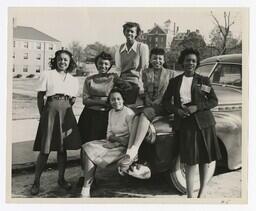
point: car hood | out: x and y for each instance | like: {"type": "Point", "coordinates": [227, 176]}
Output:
{"type": "Point", "coordinates": [228, 95]}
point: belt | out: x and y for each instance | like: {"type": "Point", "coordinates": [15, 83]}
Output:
{"type": "Point", "coordinates": [58, 97]}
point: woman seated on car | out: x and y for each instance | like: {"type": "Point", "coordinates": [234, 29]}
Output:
{"type": "Point", "coordinates": [155, 81]}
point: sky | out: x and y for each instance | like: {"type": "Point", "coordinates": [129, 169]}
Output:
{"type": "Point", "coordinates": [104, 24]}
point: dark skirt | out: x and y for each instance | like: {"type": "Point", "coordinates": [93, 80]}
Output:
{"type": "Point", "coordinates": [92, 125]}
{"type": "Point", "coordinates": [197, 146]}
{"type": "Point", "coordinates": [57, 130]}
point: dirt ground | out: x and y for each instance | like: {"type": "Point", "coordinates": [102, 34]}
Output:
{"type": "Point", "coordinates": [110, 184]}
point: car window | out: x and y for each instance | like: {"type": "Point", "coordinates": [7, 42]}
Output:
{"type": "Point", "coordinates": [228, 74]}
{"type": "Point", "coordinates": [205, 70]}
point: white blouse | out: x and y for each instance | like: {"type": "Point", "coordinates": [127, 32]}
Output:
{"type": "Point", "coordinates": [185, 89]}
{"type": "Point", "coordinates": [53, 83]}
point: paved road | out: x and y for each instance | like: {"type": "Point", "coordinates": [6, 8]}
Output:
{"type": "Point", "coordinates": [110, 184]}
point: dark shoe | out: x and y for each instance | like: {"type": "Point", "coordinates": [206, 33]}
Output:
{"type": "Point", "coordinates": [80, 182]}
{"type": "Point", "coordinates": [35, 189]}
{"type": "Point", "coordinates": [64, 184]}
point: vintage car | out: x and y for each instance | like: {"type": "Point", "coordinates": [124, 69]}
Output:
{"type": "Point", "coordinates": [225, 73]}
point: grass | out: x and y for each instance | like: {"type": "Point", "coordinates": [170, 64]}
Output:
{"type": "Point", "coordinates": [24, 102]}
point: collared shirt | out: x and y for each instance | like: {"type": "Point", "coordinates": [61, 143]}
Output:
{"type": "Point", "coordinates": [52, 83]}
{"type": "Point", "coordinates": [133, 61]}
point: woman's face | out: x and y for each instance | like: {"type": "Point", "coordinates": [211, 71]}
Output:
{"type": "Point", "coordinates": [103, 65]}
{"type": "Point", "coordinates": [157, 61]}
{"type": "Point", "coordinates": [63, 61]}
{"type": "Point", "coordinates": [116, 101]}
{"type": "Point", "coordinates": [130, 34]}
{"type": "Point", "coordinates": [190, 63]}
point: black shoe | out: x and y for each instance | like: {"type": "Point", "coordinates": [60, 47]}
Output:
{"type": "Point", "coordinates": [35, 189]}
{"type": "Point", "coordinates": [80, 182]}
{"type": "Point", "coordinates": [64, 184]}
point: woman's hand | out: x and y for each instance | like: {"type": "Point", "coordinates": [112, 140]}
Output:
{"type": "Point", "coordinates": [183, 113]}
{"type": "Point", "coordinates": [110, 145]}
{"type": "Point", "coordinates": [192, 109]}
{"type": "Point", "coordinates": [112, 138]}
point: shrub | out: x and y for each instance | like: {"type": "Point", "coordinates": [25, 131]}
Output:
{"type": "Point", "coordinates": [17, 76]}
{"type": "Point", "coordinates": [30, 76]}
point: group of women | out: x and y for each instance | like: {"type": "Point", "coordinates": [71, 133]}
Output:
{"type": "Point", "coordinates": [109, 128]}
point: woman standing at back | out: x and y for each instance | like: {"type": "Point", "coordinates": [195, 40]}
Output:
{"type": "Point", "coordinates": [131, 59]}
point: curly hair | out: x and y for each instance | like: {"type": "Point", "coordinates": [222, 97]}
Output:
{"type": "Point", "coordinates": [130, 25]}
{"type": "Point", "coordinates": [72, 63]}
{"type": "Point", "coordinates": [188, 51]}
{"type": "Point", "coordinates": [104, 56]}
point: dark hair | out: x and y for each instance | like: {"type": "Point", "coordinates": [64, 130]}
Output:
{"type": "Point", "coordinates": [72, 63]}
{"type": "Point", "coordinates": [188, 51]}
{"type": "Point", "coordinates": [105, 56]}
{"type": "Point", "coordinates": [130, 25]}
{"type": "Point", "coordinates": [157, 51]}
{"type": "Point", "coordinates": [115, 90]}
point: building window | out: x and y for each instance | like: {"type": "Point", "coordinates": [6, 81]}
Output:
{"type": "Point", "coordinates": [38, 57]}
{"type": "Point", "coordinates": [13, 55]}
{"type": "Point", "coordinates": [149, 39]}
{"type": "Point", "coordinates": [38, 69]}
{"type": "Point", "coordinates": [14, 44]}
{"type": "Point", "coordinates": [156, 39]}
{"type": "Point", "coordinates": [38, 45]}
{"type": "Point", "coordinates": [50, 46]}
{"type": "Point", "coordinates": [13, 68]}
{"type": "Point", "coordinates": [25, 56]}
{"type": "Point", "coordinates": [25, 44]}
{"type": "Point", "coordinates": [25, 68]}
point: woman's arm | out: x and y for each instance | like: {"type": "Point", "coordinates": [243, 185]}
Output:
{"type": "Point", "coordinates": [87, 100]}
{"type": "Point", "coordinates": [144, 56]}
{"type": "Point", "coordinates": [211, 100]}
{"type": "Point", "coordinates": [168, 101]}
{"type": "Point", "coordinates": [40, 101]}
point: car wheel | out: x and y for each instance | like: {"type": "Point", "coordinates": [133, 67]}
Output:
{"type": "Point", "coordinates": [178, 179]}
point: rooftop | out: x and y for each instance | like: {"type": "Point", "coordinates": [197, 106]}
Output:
{"type": "Point", "coordinates": [24, 32]}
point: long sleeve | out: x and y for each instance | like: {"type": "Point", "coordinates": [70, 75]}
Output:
{"type": "Point", "coordinates": [168, 98]}
{"type": "Point", "coordinates": [211, 101]}
{"type": "Point", "coordinates": [85, 92]}
{"type": "Point", "coordinates": [144, 56]}
{"type": "Point", "coordinates": [118, 62]}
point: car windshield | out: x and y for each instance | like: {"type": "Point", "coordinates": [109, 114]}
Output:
{"type": "Point", "coordinates": [205, 70]}
{"type": "Point", "coordinates": [228, 75]}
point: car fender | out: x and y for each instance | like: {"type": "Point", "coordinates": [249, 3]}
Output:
{"type": "Point", "coordinates": [229, 131]}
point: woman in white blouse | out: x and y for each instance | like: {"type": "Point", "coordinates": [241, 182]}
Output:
{"type": "Point", "coordinates": [57, 130]}
{"type": "Point", "coordinates": [191, 97]}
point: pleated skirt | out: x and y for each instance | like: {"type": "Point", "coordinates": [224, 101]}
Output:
{"type": "Point", "coordinates": [197, 146]}
{"type": "Point", "coordinates": [57, 130]}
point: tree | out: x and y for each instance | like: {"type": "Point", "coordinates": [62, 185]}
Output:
{"type": "Point", "coordinates": [221, 36]}
{"type": "Point", "coordinates": [92, 50]}
{"type": "Point", "coordinates": [190, 40]}
{"type": "Point", "coordinates": [77, 50]}
{"type": "Point", "coordinates": [193, 40]}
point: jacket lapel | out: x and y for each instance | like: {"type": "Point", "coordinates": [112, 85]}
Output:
{"type": "Point", "coordinates": [194, 85]}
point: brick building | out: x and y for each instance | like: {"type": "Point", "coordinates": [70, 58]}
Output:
{"type": "Point", "coordinates": [160, 36]}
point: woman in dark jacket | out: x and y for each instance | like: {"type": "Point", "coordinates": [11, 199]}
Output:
{"type": "Point", "coordinates": [190, 97]}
